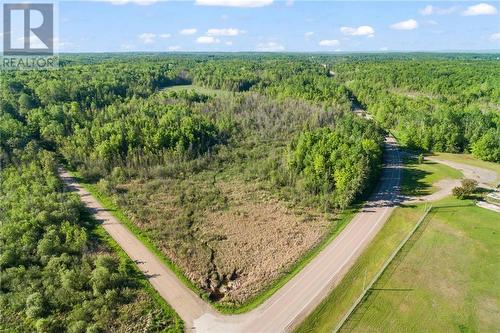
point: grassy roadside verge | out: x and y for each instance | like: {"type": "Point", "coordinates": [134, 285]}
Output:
{"type": "Point", "coordinates": [336, 227]}
{"type": "Point", "coordinates": [102, 235]}
{"type": "Point", "coordinates": [470, 160]}
{"type": "Point", "coordinates": [445, 282]}
{"type": "Point", "coordinates": [326, 316]}
{"type": "Point", "coordinates": [419, 178]}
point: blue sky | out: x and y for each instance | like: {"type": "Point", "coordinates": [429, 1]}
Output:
{"type": "Point", "coordinates": [266, 25]}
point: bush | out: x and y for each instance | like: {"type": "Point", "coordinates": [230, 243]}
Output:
{"type": "Point", "coordinates": [459, 192]}
{"type": "Point", "coordinates": [468, 188]}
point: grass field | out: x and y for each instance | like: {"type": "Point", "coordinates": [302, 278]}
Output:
{"type": "Point", "coordinates": [326, 316]}
{"type": "Point", "coordinates": [469, 159]}
{"type": "Point", "coordinates": [447, 268]}
{"type": "Point", "coordinates": [447, 282]}
{"type": "Point", "coordinates": [418, 178]}
{"type": "Point", "coordinates": [200, 90]}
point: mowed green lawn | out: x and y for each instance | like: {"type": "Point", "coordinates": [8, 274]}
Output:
{"type": "Point", "coordinates": [444, 283]}
{"type": "Point", "coordinates": [418, 178]}
{"type": "Point", "coordinates": [447, 282]}
{"type": "Point", "coordinates": [469, 159]}
{"type": "Point", "coordinates": [326, 316]}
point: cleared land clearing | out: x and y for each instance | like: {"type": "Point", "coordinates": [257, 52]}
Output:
{"type": "Point", "coordinates": [221, 219]}
{"type": "Point", "coordinates": [447, 281]}
{"type": "Point", "coordinates": [230, 238]}
{"type": "Point", "coordinates": [200, 90]}
{"type": "Point", "coordinates": [413, 93]}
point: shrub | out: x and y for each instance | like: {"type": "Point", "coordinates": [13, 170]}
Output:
{"type": "Point", "coordinates": [459, 192]}
{"type": "Point", "coordinates": [468, 188]}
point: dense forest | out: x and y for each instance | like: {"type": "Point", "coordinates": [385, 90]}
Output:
{"type": "Point", "coordinates": [283, 121]}
{"type": "Point", "coordinates": [431, 103]}
{"type": "Point", "coordinates": [56, 273]}
{"type": "Point", "coordinates": [434, 105]}
{"type": "Point", "coordinates": [58, 270]}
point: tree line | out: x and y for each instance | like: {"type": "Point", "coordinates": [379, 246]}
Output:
{"type": "Point", "coordinates": [432, 105]}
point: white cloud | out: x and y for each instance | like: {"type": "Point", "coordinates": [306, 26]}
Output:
{"type": "Point", "coordinates": [308, 34]}
{"type": "Point", "coordinates": [147, 37]}
{"type": "Point", "coordinates": [329, 42]}
{"type": "Point", "coordinates": [58, 43]}
{"type": "Point", "coordinates": [189, 31]}
{"type": "Point", "coordinates": [207, 40]}
{"type": "Point", "coordinates": [124, 2]}
{"type": "Point", "coordinates": [364, 30]}
{"type": "Point", "coordinates": [405, 25]}
{"type": "Point", "coordinates": [235, 3]}
{"type": "Point", "coordinates": [433, 10]}
{"type": "Point", "coordinates": [289, 3]}
{"type": "Point", "coordinates": [174, 48]}
{"type": "Point", "coordinates": [384, 48]}
{"type": "Point", "coordinates": [228, 43]}
{"type": "Point", "coordinates": [495, 36]}
{"type": "Point", "coordinates": [480, 9]}
{"type": "Point", "coordinates": [270, 47]}
{"type": "Point", "coordinates": [165, 35]}
{"type": "Point", "coordinates": [427, 10]}
{"type": "Point", "coordinates": [225, 32]}
{"type": "Point", "coordinates": [34, 42]}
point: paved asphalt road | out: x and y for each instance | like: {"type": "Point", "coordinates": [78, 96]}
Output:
{"type": "Point", "coordinates": [289, 305]}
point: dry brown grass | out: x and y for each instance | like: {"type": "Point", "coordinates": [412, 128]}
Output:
{"type": "Point", "coordinates": [232, 245]}
{"type": "Point", "coordinates": [257, 238]}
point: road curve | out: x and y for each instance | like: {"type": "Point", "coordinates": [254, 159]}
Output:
{"type": "Point", "coordinates": [486, 178]}
{"type": "Point", "coordinates": [296, 299]}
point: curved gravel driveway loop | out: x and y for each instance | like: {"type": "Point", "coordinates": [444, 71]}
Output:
{"type": "Point", "coordinates": [296, 299]}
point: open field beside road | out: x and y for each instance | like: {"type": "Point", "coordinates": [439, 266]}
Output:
{"type": "Point", "coordinates": [447, 281]}
{"type": "Point", "coordinates": [423, 178]}
{"type": "Point", "coordinates": [470, 160]}
{"type": "Point", "coordinates": [453, 241]}
{"type": "Point", "coordinates": [333, 229]}
{"type": "Point", "coordinates": [327, 315]}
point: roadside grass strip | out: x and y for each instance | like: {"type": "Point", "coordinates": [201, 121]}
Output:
{"type": "Point", "coordinates": [333, 308]}
{"type": "Point", "coordinates": [356, 309]}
